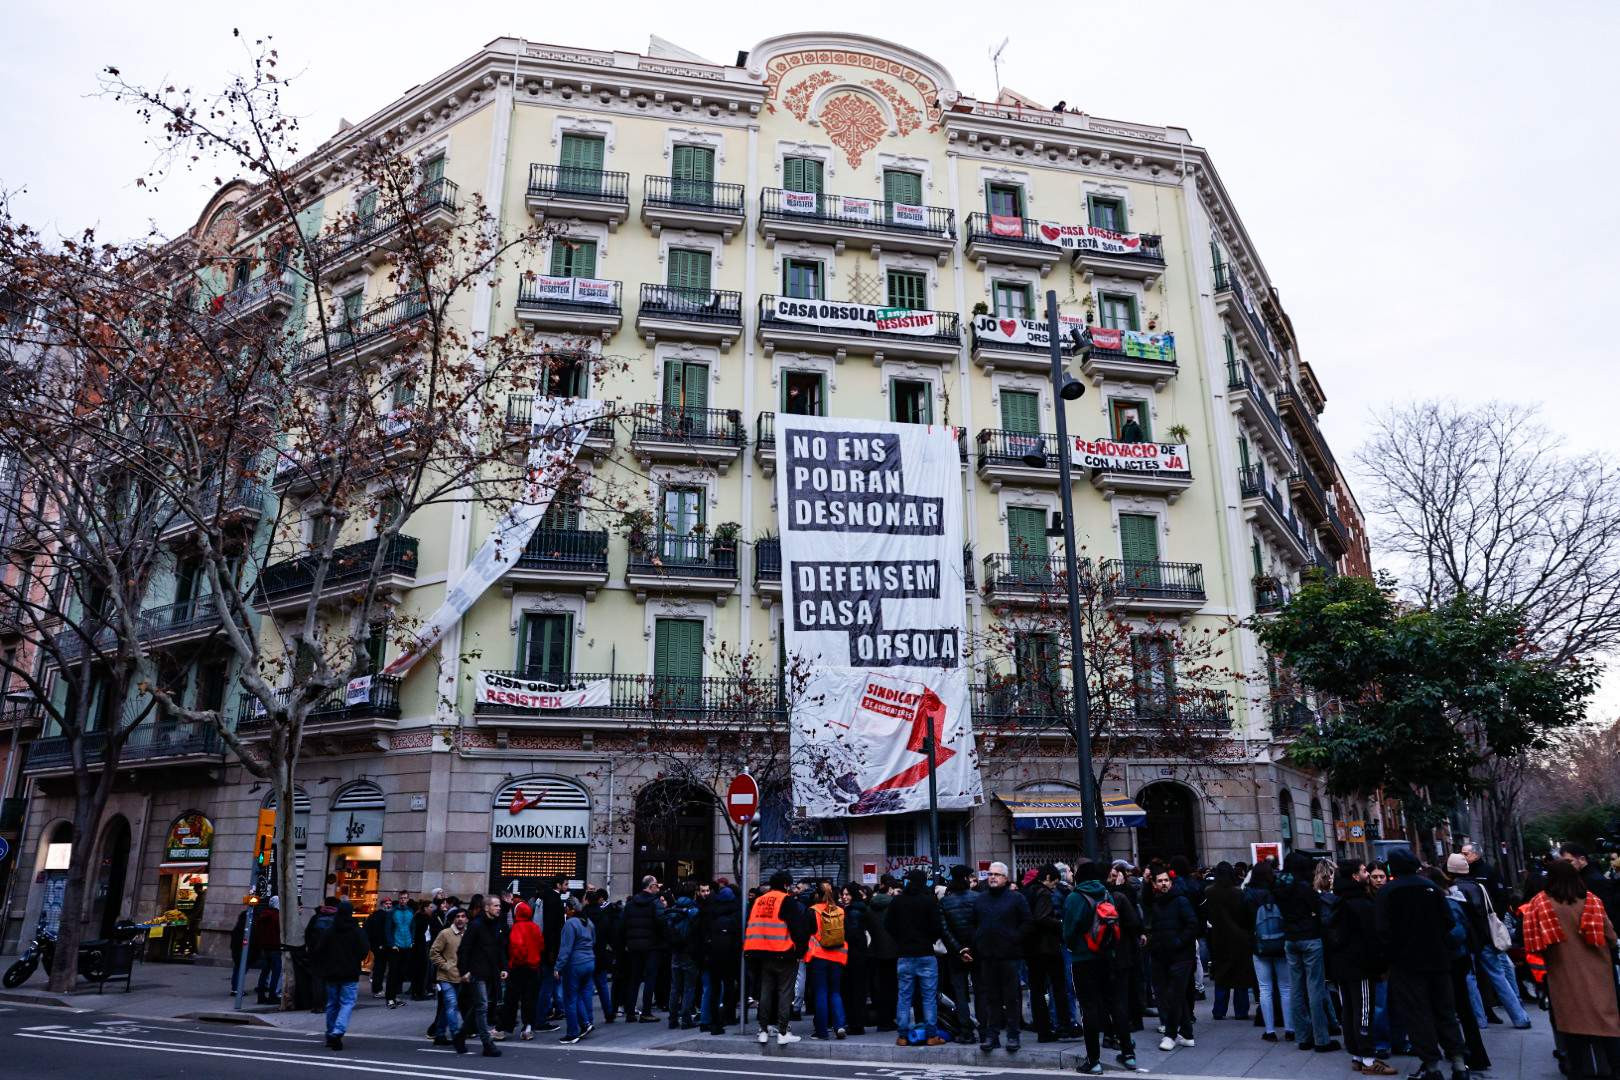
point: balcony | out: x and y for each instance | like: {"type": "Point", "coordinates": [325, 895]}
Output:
{"type": "Point", "coordinates": [991, 352]}
{"type": "Point", "coordinates": [578, 306]}
{"type": "Point", "coordinates": [21, 711]}
{"type": "Point", "coordinates": [676, 433]}
{"type": "Point", "coordinates": [1031, 706]}
{"type": "Point", "coordinates": [270, 297]}
{"type": "Point", "coordinates": [1031, 580]}
{"type": "Point", "coordinates": [1010, 457]}
{"type": "Point", "coordinates": [713, 315]}
{"type": "Point", "coordinates": [1337, 536]}
{"type": "Point", "coordinates": [1236, 305]}
{"type": "Point", "coordinates": [336, 715]}
{"type": "Point", "coordinates": [340, 254]}
{"type": "Point", "coordinates": [562, 192]}
{"type": "Point", "coordinates": [286, 585]}
{"type": "Point", "coordinates": [726, 704]}
{"type": "Point", "coordinates": [670, 203]}
{"type": "Point", "coordinates": [1263, 506]}
{"type": "Point", "coordinates": [165, 626]}
{"type": "Point", "coordinates": [1142, 469]}
{"type": "Point", "coordinates": [380, 330]}
{"type": "Point", "coordinates": [865, 223]}
{"type": "Point", "coordinates": [1248, 400]}
{"type": "Point", "coordinates": [564, 558]}
{"type": "Point", "coordinates": [1298, 414]}
{"type": "Point", "coordinates": [1130, 356]}
{"type": "Point", "coordinates": [598, 441]}
{"type": "Point", "coordinates": [1153, 586]}
{"type": "Point", "coordinates": [242, 507]}
{"type": "Point", "coordinates": [1011, 241]}
{"type": "Point", "coordinates": [151, 745]}
{"type": "Point", "coordinates": [693, 565]}
{"type": "Point", "coordinates": [765, 443]}
{"type": "Point", "coordinates": [1309, 495]}
{"type": "Point", "coordinates": [1142, 261]}
{"type": "Point", "coordinates": [821, 326]}
{"type": "Point", "coordinates": [1269, 595]}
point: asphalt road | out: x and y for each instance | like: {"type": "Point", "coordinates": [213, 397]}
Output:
{"type": "Point", "coordinates": [41, 1041]}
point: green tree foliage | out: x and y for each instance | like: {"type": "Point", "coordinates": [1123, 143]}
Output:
{"type": "Point", "coordinates": [1426, 695]}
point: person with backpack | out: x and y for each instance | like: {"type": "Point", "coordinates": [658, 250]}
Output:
{"type": "Point", "coordinates": [1269, 957]}
{"type": "Point", "coordinates": [958, 909]}
{"type": "Point", "coordinates": [1094, 933]}
{"type": "Point", "coordinates": [1231, 943]}
{"type": "Point", "coordinates": [680, 932]}
{"type": "Point", "coordinates": [319, 923]}
{"type": "Point", "coordinates": [1415, 932]}
{"type": "Point", "coordinates": [1301, 907]}
{"type": "Point", "coordinates": [1355, 964]}
{"type": "Point", "coordinates": [1491, 934]}
{"type": "Point", "coordinates": [720, 934]}
{"type": "Point", "coordinates": [828, 954]}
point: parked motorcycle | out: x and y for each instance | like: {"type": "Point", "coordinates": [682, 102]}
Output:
{"type": "Point", "coordinates": [40, 951]}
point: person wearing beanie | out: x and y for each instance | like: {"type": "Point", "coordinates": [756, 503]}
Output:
{"type": "Point", "coordinates": [958, 908]}
{"type": "Point", "coordinates": [1095, 929]}
{"type": "Point", "coordinates": [1413, 922]}
{"type": "Point", "coordinates": [914, 922]}
{"type": "Point", "coordinates": [1486, 959]}
{"type": "Point", "coordinates": [336, 958]}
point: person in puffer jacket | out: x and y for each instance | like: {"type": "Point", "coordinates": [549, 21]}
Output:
{"type": "Point", "coordinates": [525, 950]}
{"type": "Point", "coordinates": [959, 910]}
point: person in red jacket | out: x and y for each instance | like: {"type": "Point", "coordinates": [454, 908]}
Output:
{"type": "Point", "coordinates": [525, 945]}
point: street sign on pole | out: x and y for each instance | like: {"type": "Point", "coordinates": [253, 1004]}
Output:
{"type": "Point", "coordinates": [742, 800]}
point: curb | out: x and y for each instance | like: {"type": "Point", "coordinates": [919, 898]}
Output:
{"type": "Point", "coordinates": [1036, 1057]}
{"type": "Point", "coordinates": [36, 999]}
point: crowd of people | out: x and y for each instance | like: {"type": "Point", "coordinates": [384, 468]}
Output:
{"type": "Point", "coordinates": [1368, 960]}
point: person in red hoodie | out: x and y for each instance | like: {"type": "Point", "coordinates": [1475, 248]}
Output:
{"type": "Point", "coordinates": [525, 945]}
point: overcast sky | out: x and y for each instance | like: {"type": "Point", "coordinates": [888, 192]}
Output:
{"type": "Point", "coordinates": [1430, 185]}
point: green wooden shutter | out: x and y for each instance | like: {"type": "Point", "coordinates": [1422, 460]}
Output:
{"type": "Point", "coordinates": [1243, 453]}
{"type": "Point", "coordinates": [1021, 411]}
{"type": "Point", "coordinates": [801, 278]}
{"type": "Point", "coordinates": [1259, 564]}
{"type": "Point", "coordinates": [563, 513]}
{"type": "Point", "coordinates": [802, 174]}
{"type": "Point", "coordinates": [689, 272]}
{"type": "Point", "coordinates": [692, 174]}
{"type": "Point", "coordinates": [580, 164]}
{"type": "Point", "coordinates": [573, 258]}
{"type": "Point", "coordinates": [433, 170]}
{"type": "Point", "coordinates": [547, 646]}
{"type": "Point", "coordinates": [366, 207]}
{"type": "Point", "coordinates": [1139, 537]}
{"type": "Point", "coordinates": [1026, 538]}
{"type": "Point", "coordinates": [908, 289]}
{"type": "Point", "coordinates": [900, 186]}
{"type": "Point", "coordinates": [677, 662]}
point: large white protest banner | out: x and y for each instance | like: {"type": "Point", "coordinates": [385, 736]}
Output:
{"type": "Point", "coordinates": [490, 688]}
{"type": "Point", "coordinates": [870, 514]}
{"type": "Point", "coordinates": [844, 315]}
{"type": "Point", "coordinates": [1139, 457]}
{"type": "Point", "coordinates": [557, 429]}
{"type": "Point", "coordinates": [1091, 238]}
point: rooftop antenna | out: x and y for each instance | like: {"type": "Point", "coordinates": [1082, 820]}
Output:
{"type": "Point", "coordinates": [995, 61]}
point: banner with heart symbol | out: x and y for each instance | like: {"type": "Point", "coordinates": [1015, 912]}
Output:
{"type": "Point", "coordinates": [1090, 238]}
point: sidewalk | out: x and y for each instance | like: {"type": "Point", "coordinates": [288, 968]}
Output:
{"type": "Point", "coordinates": [1225, 1047]}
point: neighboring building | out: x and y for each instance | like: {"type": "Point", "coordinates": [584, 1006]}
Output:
{"type": "Point", "coordinates": [824, 166]}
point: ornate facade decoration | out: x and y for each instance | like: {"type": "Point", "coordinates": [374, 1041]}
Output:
{"type": "Point", "coordinates": [914, 81]}
{"type": "Point", "coordinates": [797, 100]}
{"type": "Point", "coordinates": [854, 124]}
{"type": "Point", "coordinates": [906, 117]}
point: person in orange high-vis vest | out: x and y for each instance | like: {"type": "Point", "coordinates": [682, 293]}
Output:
{"type": "Point", "coordinates": [828, 953]}
{"type": "Point", "coordinates": [775, 938]}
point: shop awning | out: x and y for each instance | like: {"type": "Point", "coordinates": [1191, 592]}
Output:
{"type": "Point", "coordinates": [1034, 811]}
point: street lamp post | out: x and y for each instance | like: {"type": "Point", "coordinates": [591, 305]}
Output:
{"type": "Point", "coordinates": [1066, 389]}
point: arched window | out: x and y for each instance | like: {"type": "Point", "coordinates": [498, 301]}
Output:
{"type": "Point", "coordinates": [1285, 815]}
{"type": "Point", "coordinates": [1318, 828]}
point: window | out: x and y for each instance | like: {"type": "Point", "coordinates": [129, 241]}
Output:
{"type": "Point", "coordinates": [377, 648]}
{"type": "Point", "coordinates": [1036, 662]}
{"type": "Point", "coordinates": [1285, 813]}
{"type": "Point", "coordinates": [1021, 411]}
{"type": "Point", "coordinates": [1118, 311]}
{"type": "Point", "coordinates": [686, 395]}
{"type": "Point", "coordinates": [1026, 540]}
{"type": "Point", "coordinates": [1231, 352]}
{"type": "Point", "coordinates": [565, 375]}
{"type": "Point", "coordinates": [689, 272]}
{"type": "Point", "coordinates": [401, 390]}
{"type": "Point", "coordinates": [433, 170]}
{"type": "Point", "coordinates": [1139, 538]}
{"type": "Point", "coordinates": [563, 513]}
{"type": "Point", "coordinates": [545, 646]}
{"type": "Point", "coordinates": [1243, 453]}
{"type": "Point", "coordinates": [1259, 562]}
{"type": "Point", "coordinates": [365, 208]}
{"type": "Point", "coordinates": [681, 525]}
{"type": "Point", "coordinates": [188, 582]}
{"type": "Point", "coordinates": [677, 661]}
{"type": "Point", "coordinates": [320, 528]}
{"type": "Point", "coordinates": [1013, 299]}
{"type": "Point", "coordinates": [802, 174]}
{"type": "Point", "coordinates": [210, 685]}
{"type": "Point", "coordinates": [1318, 827]}
{"type": "Point", "coordinates": [573, 258]}
{"type": "Point", "coordinates": [1130, 420]}
{"type": "Point", "coordinates": [902, 186]}
{"type": "Point", "coordinates": [580, 164]}
{"type": "Point", "coordinates": [242, 272]}
{"type": "Point", "coordinates": [692, 174]}
{"type": "Point", "coordinates": [1153, 674]}
{"type": "Point", "coordinates": [911, 401]}
{"type": "Point", "coordinates": [1004, 200]}
{"type": "Point", "coordinates": [801, 278]}
{"type": "Point", "coordinates": [802, 393]}
{"type": "Point", "coordinates": [1106, 212]}
{"type": "Point", "coordinates": [908, 289]}
{"type": "Point", "coordinates": [351, 307]}
{"type": "Point", "coordinates": [900, 836]}
{"type": "Point", "coordinates": [389, 509]}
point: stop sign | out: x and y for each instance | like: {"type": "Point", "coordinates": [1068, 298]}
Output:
{"type": "Point", "coordinates": [742, 799]}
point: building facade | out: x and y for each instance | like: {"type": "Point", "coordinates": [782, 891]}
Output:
{"type": "Point", "coordinates": [702, 211]}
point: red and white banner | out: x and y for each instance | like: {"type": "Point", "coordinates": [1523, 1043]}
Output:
{"type": "Point", "coordinates": [1141, 457]}
{"type": "Point", "coordinates": [857, 316]}
{"type": "Point", "coordinates": [1001, 330]}
{"type": "Point", "coordinates": [567, 290]}
{"type": "Point", "coordinates": [558, 427]}
{"type": "Point", "coordinates": [1090, 238]}
{"type": "Point", "coordinates": [870, 514]}
{"type": "Point", "coordinates": [1008, 225]}
{"type": "Point", "coordinates": [358, 692]}
{"type": "Point", "coordinates": [801, 202]}
{"type": "Point", "coordinates": [914, 217]}
{"type": "Point", "coordinates": [490, 688]}
{"type": "Point", "coordinates": [851, 208]}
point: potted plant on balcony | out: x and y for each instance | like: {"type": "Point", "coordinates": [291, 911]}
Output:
{"type": "Point", "coordinates": [724, 543]}
{"type": "Point", "coordinates": [1089, 303]}
{"type": "Point", "coordinates": [981, 308]}
{"type": "Point", "coordinates": [637, 523]}
{"type": "Point", "coordinates": [1177, 432]}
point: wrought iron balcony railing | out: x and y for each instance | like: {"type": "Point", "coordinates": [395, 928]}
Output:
{"type": "Point", "coordinates": [719, 306]}
{"type": "Point", "coordinates": [1140, 579]}
{"type": "Point", "coordinates": [520, 410]}
{"type": "Point", "coordinates": [571, 182]}
{"type": "Point", "coordinates": [531, 297]}
{"type": "Point", "coordinates": [768, 561]}
{"type": "Point", "coordinates": [998, 446]}
{"type": "Point", "coordinates": [706, 195]}
{"type": "Point", "coordinates": [705, 701]}
{"type": "Point", "coordinates": [150, 742]}
{"type": "Point", "coordinates": [1024, 231]}
{"type": "Point", "coordinates": [864, 215]}
{"type": "Point", "coordinates": [680, 423]}
{"type": "Point", "coordinates": [947, 326]}
{"type": "Point", "coordinates": [765, 435]}
{"type": "Point", "coordinates": [378, 322]}
{"type": "Point", "coordinates": [692, 555]}
{"type": "Point", "coordinates": [1042, 705]}
{"type": "Point", "coordinates": [1035, 574]}
{"type": "Point", "coordinates": [382, 700]}
{"type": "Point", "coordinates": [350, 565]}
{"type": "Point", "coordinates": [575, 550]}
{"type": "Point", "coordinates": [371, 230]}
